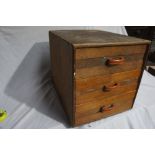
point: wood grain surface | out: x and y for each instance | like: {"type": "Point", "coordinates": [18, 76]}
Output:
{"type": "Point", "coordinates": [91, 112]}
{"type": "Point", "coordinates": [96, 38]}
{"type": "Point", "coordinates": [107, 70]}
{"type": "Point", "coordinates": [62, 72]}
{"type": "Point", "coordinates": [96, 73]}
{"type": "Point", "coordinates": [96, 82]}
{"type": "Point", "coordinates": [86, 53]}
{"type": "Point", "coordinates": [99, 115]}
{"type": "Point", "coordinates": [123, 86]}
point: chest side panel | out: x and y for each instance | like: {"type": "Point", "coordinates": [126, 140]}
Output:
{"type": "Point", "coordinates": [62, 71]}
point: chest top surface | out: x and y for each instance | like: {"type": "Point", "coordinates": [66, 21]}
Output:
{"type": "Point", "coordinates": [96, 38]}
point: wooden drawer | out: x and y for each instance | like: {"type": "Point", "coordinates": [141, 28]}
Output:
{"type": "Point", "coordinates": [84, 85]}
{"type": "Point", "coordinates": [106, 101]}
{"type": "Point", "coordinates": [104, 108]}
{"type": "Point", "coordinates": [99, 66]}
{"type": "Point", "coordinates": [98, 115]}
{"type": "Point", "coordinates": [102, 93]}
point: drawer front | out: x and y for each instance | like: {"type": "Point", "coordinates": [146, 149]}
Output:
{"type": "Point", "coordinates": [84, 85]}
{"type": "Point", "coordinates": [91, 112]}
{"type": "Point", "coordinates": [106, 101]}
{"type": "Point", "coordinates": [107, 91]}
{"type": "Point", "coordinates": [107, 65]}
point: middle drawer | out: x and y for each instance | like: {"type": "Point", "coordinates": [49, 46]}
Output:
{"type": "Point", "coordinates": [101, 87]}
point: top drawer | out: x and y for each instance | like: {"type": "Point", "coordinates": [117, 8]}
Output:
{"type": "Point", "coordinates": [108, 60]}
{"type": "Point", "coordinates": [86, 53]}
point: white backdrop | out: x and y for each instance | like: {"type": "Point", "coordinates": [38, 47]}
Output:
{"type": "Point", "coordinates": [27, 93]}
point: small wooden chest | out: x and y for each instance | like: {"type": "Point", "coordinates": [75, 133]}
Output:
{"type": "Point", "coordinates": [96, 73]}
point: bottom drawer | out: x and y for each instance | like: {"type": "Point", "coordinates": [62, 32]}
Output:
{"type": "Point", "coordinates": [105, 110]}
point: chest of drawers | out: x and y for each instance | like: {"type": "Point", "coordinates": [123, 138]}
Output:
{"type": "Point", "coordinates": [96, 73]}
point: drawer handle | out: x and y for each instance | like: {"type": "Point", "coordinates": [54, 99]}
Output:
{"type": "Point", "coordinates": [115, 61]}
{"type": "Point", "coordinates": [109, 88]}
{"type": "Point", "coordinates": [104, 108]}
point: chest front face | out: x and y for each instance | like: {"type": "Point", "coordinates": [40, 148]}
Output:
{"type": "Point", "coordinates": [106, 80]}
{"type": "Point", "coordinates": [105, 69]}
